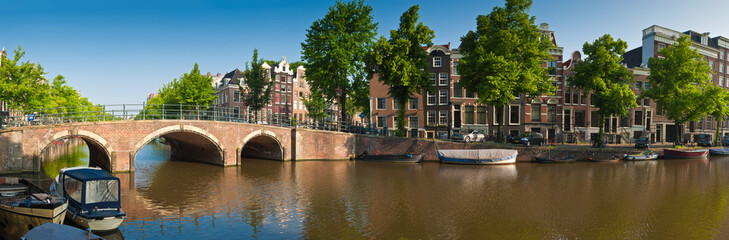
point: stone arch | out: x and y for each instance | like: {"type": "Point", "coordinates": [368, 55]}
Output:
{"type": "Point", "coordinates": [185, 148]}
{"type": "Point", "coordinates": [99, 149]}
{"type": "Point", "coordinates": [260, 146]}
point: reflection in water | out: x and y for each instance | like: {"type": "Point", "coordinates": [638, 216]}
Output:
{"type": "Point", "coordinates": [261, 199]}
{"type": "Point", "coordinates": [70, 152]}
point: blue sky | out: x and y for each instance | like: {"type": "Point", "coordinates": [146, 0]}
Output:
{"type": "Point", "coordinates": [120, 51]}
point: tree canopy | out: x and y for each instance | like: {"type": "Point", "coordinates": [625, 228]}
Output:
{"type": "Point", "coordinates": [335, 50]}
{"type": "Point", "coordinates": [22, 84]}
{"type": "Point", "coordinates": [190, 89]}
{"type": "Point", "coordinates": [503, 58]}
{"type": "Point", "coordinates": [602, 75]}
{"type": "Point", "coordinates": [679, 82]}
{"type": "Point", "coordinates": [400, 62]}
{"type": "Point", "coordinates": [258, 85]}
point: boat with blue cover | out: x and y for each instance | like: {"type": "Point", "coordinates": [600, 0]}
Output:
{"type": "Point", "coordinates": [719, 151]}
{"type": "Point", "coordinates": [643, 156]}
{"type": "Point", "coordinates": [93, 197]}
{"type": "Point", "coordinates": [478, 156]}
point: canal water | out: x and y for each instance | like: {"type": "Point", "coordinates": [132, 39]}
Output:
{"type": "Point", "coordinates": [261, 199]}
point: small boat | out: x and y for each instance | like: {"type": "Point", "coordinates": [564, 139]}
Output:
{"type": "Point", "coordinates": [396, 158]}
{"type": "Point", "coordinates": [99, 207]}
{"type": "Point", "coordinates": [564, 159]}
{"type": "Point", "coordinates": [719, 151]}
{"type": "Point", "coordinates": [59, 231]}
{"type": "Point", "coordinates": [646, 155]}
{"type": "Point", "coordinates": [24, 206]}
{"type": "Point", "coordinates": [478, 156]}
{"type": "Point", "coordinates": [683, 154]}
{"type": "Point", "coordinates": [594, 158]}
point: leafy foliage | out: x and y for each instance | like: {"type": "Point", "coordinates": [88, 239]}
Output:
{"type": "Point", "coordinates": [188, 92]}
{"type": "Point", "coordinates": [503, 58]}
{"type": "Point", "coordinates": [335, 49]}
{"type": "Point", "coordinates": [315, 104]}
{"type": "Point", "coordinates": [608, 81]}
{"type": "Point", "coordinates": [22, 84]}
{"type": "Point", "coordinates": [679, 83]}
{"type": "Point", "coordinates": [258, 85]}
{"type": "Point", "coordinates": [401, 61]}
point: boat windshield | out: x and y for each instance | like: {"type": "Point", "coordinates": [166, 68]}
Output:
{"type": "Point", "coordinates": [72, 187]}
{"type": "Point", "coordinates": [98, 191]}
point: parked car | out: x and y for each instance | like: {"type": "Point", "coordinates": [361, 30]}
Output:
{"type": "Point", "coordinates": [529, 139]}
{"type": "Point", "coordinates": [469, 136]}
{"type": "Point", "coordinates": [726, 141]}
{"type": "Point", "coordinates": [642, 142]}
{"type": "Point", "coordinates": [704, 140]}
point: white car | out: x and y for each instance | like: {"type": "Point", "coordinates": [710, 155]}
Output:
{"type": "Point", "coordinates": [470, 136]}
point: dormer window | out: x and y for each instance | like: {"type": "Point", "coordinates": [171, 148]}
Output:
{"type": "Point", "coordinates": [436, 62]}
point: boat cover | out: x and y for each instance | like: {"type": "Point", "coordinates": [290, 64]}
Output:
{"type": "Point", "coordinates": [58, 231]}
{"type": "Point", "coordinates": [478, 154]}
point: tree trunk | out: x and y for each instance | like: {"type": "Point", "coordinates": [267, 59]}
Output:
{"type": "Point", "coordinates": [600, 133]}
{"type": "Point", "coordinates": [343, 106]}
{"type": "Point", "coordinates": [401, 118]}
{"type": "Point", "coordinates": [678, 134]}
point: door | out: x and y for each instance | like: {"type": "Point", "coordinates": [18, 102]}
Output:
{"type": "Point", "coordinates": [457, 117]}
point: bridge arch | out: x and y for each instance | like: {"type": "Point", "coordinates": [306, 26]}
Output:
{"type": "Point", "coordinates": [188, 143]}
{"type": "Point", "coordinates": [261, 144]}
{"type": "Point", "coordinates": [99, 148]}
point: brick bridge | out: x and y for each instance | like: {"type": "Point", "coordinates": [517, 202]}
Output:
{"type": "Point", "coordinates": [114, 145]}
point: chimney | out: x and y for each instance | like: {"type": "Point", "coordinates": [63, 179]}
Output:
{"type": "Point", "coordinates": [544, 26]}
{"type": "Point", "coordinates": [208, 74]}
{"type": "Point", "coordinates": [218, 75]}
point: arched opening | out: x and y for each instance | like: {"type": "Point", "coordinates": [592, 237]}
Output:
{"type": "Point", "coordinates": [181, 145]}
{"type": "Point", "coordinates": [262, 147]}
{"type": "Point", "coordinates": [74, 151]}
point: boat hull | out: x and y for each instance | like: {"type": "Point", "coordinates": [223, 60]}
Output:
{"type": "Point", "coordinates": [16, 221]}
{"type": "Point", "coordinates": [722, 151]}
{"type": "Point", "coordinates": [105, 224]}
{"type": "Point", "coordinates": [674, 154]}
{"type": "Point", "coordinates": [509, 160]}
{"type": "Point", "coordinates": [395, 158]}
{"type": "Point", "coordinates": [653, 156]}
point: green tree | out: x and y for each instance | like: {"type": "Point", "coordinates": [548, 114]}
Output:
{"type": "Point", "coordinates": [401, 61]}
{"type": "Point", "coordinates": [602, 75]}
{"type": "Point", "coordinates": [335, 49]}
{"type": "Point", "coordinates": [315, 105]}
{"type": "Point", "coordinates": [720, 98]}
{"type": "Point", "coordinates": [190, 89]}
{"type": "Point", "coordinates": [22, 85]}
{"type": "Point", "coordinates": [258, 84]}
{"type": "Point", "coordinates": [678, 83]}
{"type": "Point", "coordinates": [503, 58]}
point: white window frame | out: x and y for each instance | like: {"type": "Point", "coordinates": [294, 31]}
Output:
{"type": "Point", "coordinates": [443, 117]}
{"type": "Point", "coordinates": [434, 79]}
{"type": "Point", "coordinates": [431, 117]}
{"type": "Point", "coordinates": [443, 79]}
{"type": "Point", "coordinates": [384, 124]}
{"type": "Point", "coordinates": [518, 121]}
{"type": "Point", "coordinates": [455, 68]}
{"type": "Point", "coordinates": [410, 122]}
{"type": "Point", "coordinates": [377, 104]}
{"type": "Point", "coordinates": [443, 95]}
{"type": "Point", "coordinates": [394, 105]}
{"type": "Point", "coordinates": [437, 62]}
{"type": "Point", "coordinates": [433, 97]}
{"type": "Point", "coordinates": [416, 101]}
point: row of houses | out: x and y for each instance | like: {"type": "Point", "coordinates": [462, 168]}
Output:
{"type": "Point", "coordinates": [565, 115]}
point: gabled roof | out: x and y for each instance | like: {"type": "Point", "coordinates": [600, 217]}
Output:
{"type": "Point", "coordinates": [633, 58]}
{"type": "Point", "coordinates": [233, 76]}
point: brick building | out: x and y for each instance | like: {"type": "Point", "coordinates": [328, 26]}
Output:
{"type": "Point", "coordinates": [228, 89]}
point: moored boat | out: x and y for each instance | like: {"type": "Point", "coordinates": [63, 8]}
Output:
{"type": "Point", "coordinates": [93, 197]}
{"type": "Point", "coordinates": [478, 156]}
{"type": "Point", "coordinates": [562, 159]}
{"type": "Point", "coordinates": [595, 158]}
{"type": "Point", "coordinates": [59, 231]}
{"type": "Point", "coordinates": [646, 155]}
{"type": "Point", "coordinates": [24, 206]}
{"type": "Point", "coordinates": [395, 158]}
{"type": "Point", "coordinates": [719, 151]}
{"type": "Point", "coordinates": [684, 154]}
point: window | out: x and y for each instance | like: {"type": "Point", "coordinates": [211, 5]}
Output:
{"type": "Point", "coordinates": [536, 113]}
{"type": "Point", "coordinates": [646, 85]}
{"type": "Point", "coordinates": [592, 100]}
{"type": "Point", "coordinates": [236, 96]}
{"type": "Point", "coordinates": [594, 119]}
{"type": "Point", "coordinates": [436, 62]}
{"type": "Point", "coordinates": [431, 118]}
{"type": "Point", "coordinates": [711, 64]}
{"type": "Point", "coordinates": [395, 106]}
{"type": "Point", "coordinates": [431, 98]}
{"type": "Point", "coordinates": [580, 118]}
{"type": "Point", "coordinates": [701, 123]}
{"type": "Point", "coordinates": [513, 114]}
{"type": "Point", "coordinates": [443, 79]}
{"type": "Point", "coordinates": [469, 115]}
{"type": "Point", "coordinates": [575, 97]}
{"type": "Point", "coordinates": [414, 122]}
{"type": "Point", "coordinates": [721, 68]}
{"type": "Point", "coordinates": [276, 96]}
{"type": "Point", "coordinates": [659, 109]}
{"type": "Point", "coordinates": [567, 97]}
{"type": "Point", "coordinates": [457, 90]}
{"type": "Point", "coordinates": [443, 117]}
{"type": "Point", "coordinates": [382, 103]}
{"type": "Point", "coordinates": [709, 123]}
{"type": "Point", "coordinates": [470, 94]}
{"type": "Point", "coordinates": [455, 68]}
{"type": "Point", "coordinates": [638, 118]}
{"type": "Point", "coordinates": [296, 105]}
{"type": "Point", "coordinates": [721, 55]}
{"type": "Point", "coordinates": [646, 102]}
{"type": "Point", "coordinates": [432, 79]}
{"type": "Point", "coordinates": [552, 113]}
{"type": "Point", "coordinates": [413, 104]}
{"type": "Point", "coordinates": [638, 84]}
{"type": "Point", "coordinates": [624, 121]}
{"type": "Point", "coordinates": [236, 112]}
{"type": "Point", "coordinates": [584, 99]}
{"type": "Point", "coordinates": [481, 114]}
{"type": "Point", "coordinates": [381, 121]}
{"type": "Point", "coordinates": [721, 81]}
{"type": "Point", "coordinates": [442, 97]}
